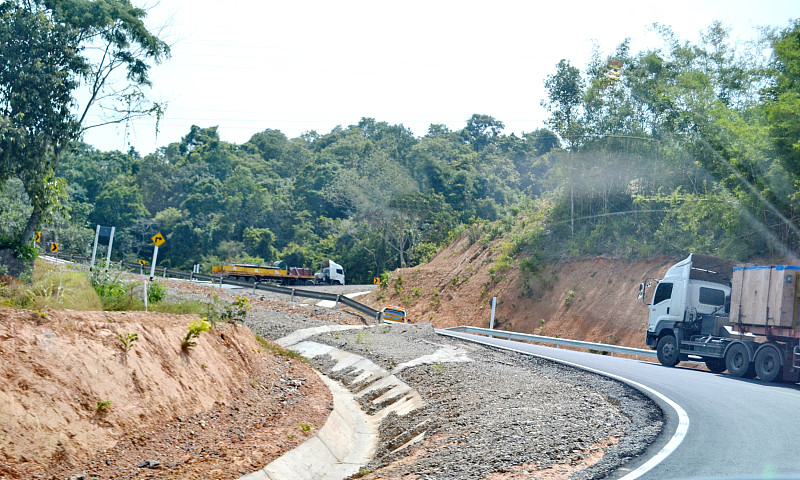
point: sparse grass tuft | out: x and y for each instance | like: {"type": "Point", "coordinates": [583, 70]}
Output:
{"type": "Point", "coordinates": [276, 349]}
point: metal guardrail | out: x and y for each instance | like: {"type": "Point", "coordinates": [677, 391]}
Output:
{"type": "Point", "coordinates": [376, 314]}
{"type": "Point", "coordinates": [269, 287]}
{"type": "Point", "coordinates": [555, 341]}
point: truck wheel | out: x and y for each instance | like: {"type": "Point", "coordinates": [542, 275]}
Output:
{"type": "Point", "coordinates": [667, 351]}
{"type": "Point", "coordinates": [310, 282]}
{"type": "Point", "coordinates": [715, 365]}
{"type": "Point", "coordinates": [738, 362]}
{"type": "Point", "coordinates": [768, 363]}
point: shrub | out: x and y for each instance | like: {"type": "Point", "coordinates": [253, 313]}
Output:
{"type": "Point", "coordinates": [155, 292]}
{"type": "Point", "coordinates": [195, 330]}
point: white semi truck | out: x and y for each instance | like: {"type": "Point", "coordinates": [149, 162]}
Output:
{"type": "Point", "coordinates": [745, 319]}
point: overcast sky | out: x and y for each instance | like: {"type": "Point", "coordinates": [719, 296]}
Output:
{"type": "Point", "coordinates": [296, 66]}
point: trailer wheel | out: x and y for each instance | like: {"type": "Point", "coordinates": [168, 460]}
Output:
{"type": "Point", "coordinates": [768, 363]}
{"type": "Point", "coordinates": [667, 351]}
{"type": "Point", "coordinates": [715, 365]}
{"type": "Point", "coordinates": [310, 282]}
{"type": "Point", "coordinates": [738, 362]}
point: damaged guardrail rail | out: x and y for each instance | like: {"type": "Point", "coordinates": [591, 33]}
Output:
{"type": "Point", "coordinates": [376, 314]}
{"type": "Point", "coordinates": [269, 287]}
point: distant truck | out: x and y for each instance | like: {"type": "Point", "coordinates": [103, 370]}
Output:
{"type": "Point", "coordinates": [745, 320]}
{"type": "Point", "coordinates": [331, 274]}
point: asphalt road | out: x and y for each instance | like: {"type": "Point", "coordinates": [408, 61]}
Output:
{"type": "Point", "coordinates": [737, 428]}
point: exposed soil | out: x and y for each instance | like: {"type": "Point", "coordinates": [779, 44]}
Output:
{"type": "Point", "coordinates": [589, 299]}
{"type": "Point", "coordinates": [224, 408]}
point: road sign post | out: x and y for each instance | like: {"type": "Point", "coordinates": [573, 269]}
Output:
{"type": "Point", "coordinates": [491, 321]}
{"type": "Point", "coordinates": [159, 240]}
{"type": "Point", "coordinates": [110, 243]}
{"type": "Point", "coordinates": [153, 265]}
{"type": "Point", "coordinates": [106, 232]}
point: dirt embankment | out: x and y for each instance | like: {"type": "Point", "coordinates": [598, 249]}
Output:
{"type": "Point", "coordinates": [590, 299]}
{"type": "Point", "coordinates": [73, 400]}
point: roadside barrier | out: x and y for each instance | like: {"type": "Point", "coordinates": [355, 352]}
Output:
{"type": "Point", "coordinates": [369, 311]}
{"type": "Point", "coordinates": [266, 286]}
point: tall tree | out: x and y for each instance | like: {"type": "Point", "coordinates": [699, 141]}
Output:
{"type": "Point", "coordinates": [564, 101]}
{"type": "Point", "coordinates": [48, 50]}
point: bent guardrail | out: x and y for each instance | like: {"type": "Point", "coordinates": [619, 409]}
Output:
{"type": "Point", "coordinates": [603, 347]}
{"type": "Point", "coordinates": [269, 287]}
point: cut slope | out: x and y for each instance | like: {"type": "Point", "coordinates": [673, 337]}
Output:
{"type": "Point", "coordinates": [58, 370]}
{"type": "Point", "coordinates": [590, 299]}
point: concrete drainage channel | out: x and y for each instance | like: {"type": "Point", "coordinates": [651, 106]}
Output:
{"type": "Point", "coordinates": [349, 438]}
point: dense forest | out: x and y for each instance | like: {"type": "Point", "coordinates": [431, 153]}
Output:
{"type": "Point", "coordinates": [689, 147]}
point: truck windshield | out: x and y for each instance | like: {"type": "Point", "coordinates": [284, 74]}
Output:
{"type": "Point", "coordinates": [663, 292]}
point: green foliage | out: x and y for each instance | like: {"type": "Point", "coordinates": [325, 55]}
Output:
{"type": "Point", "coordinates": [46, 54]}
{"type": "Point", "coordinates": [53, 287]}
{"type": "Point", "coordinates": [127, 340]}
{"type": "Point", "coordinates": [221, 311]}
{"type": "Point", "coordinates": [398, 284]}
{"type": "Point", "coordinates": [278, 350]}
{"type": "Point", "coordinates": [103, 405]}
{"type": "Point", "coordinates": [155, 291]}
{"type": "Point", "coordinates": [687, 146]}
{"type": "Point", "coordinates": [194, 331]}
{"type": "Point", "coordinates": [569, 298]}
{"type": "Point", "coordinates": [112, 290]}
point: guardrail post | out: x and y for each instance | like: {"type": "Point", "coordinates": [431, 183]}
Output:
{"type": "Point", "coordinates": [378, 318]}
{"type": "Point", "coordinates": [293, 298]}
{"type": "Point", "coordinates": [164, 275]}
{"type": "Point", "coordinates": [255, 282]}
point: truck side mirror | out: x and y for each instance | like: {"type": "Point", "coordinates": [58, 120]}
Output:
{"type": "Point", "coordinates": [641, 291]}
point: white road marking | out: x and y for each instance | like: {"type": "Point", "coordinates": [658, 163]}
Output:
{"type": "Point", "coordinates": [683, 417]}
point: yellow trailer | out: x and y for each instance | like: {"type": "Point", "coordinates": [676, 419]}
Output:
{"type": "Point", "coordinates": [280, 273]}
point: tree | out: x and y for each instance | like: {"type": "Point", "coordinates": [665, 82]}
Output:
{"type": "Point", "coordinates": [565, 97]}
{"type": "Point", "coordinates": [48, 50]}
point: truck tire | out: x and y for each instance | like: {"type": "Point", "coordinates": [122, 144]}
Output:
{"type": "Point", "coordinates": [768, 363]}
{"type": "Point", "coordinates": [737, 359]}
{"type": "Point", "coordinates": [667, 351]}
{"type": "Point", "coordinates": [310, 282]}
{"type": "Point", "coordinates": [715, 365]}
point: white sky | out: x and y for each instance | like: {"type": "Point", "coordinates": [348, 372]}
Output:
{"type": "Point", "coordinates": [298, 65]}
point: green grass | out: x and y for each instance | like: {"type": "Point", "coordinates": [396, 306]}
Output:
{"type": "Point", "coordinates": [278, 350]}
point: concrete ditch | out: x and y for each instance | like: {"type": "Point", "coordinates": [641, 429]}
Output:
{"type": "Point", "coordinates": [363, 395]}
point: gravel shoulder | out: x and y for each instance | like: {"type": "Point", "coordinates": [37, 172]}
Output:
{"type": "Point", "coordinates": [501, 415]}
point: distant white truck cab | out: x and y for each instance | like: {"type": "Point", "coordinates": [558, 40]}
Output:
{"type": "Point", "coordinates": [332, 274]}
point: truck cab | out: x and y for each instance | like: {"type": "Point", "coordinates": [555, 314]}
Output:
{"type": "Point", "coordinates": [696, 290]}
{"type": "Point", "coordinates": [689, 311]}
{"type": "Point", "coordinates": [332, 274]}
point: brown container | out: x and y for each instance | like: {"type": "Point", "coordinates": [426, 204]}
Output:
{"type": "Point", "coordinates": [766, 296]}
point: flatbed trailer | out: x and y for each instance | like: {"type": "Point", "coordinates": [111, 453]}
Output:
{"type": "Point", "coordinates": [264, 273]}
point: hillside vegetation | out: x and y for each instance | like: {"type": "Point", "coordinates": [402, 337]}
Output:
{"type": "Point", "coordinates": [687, 147]}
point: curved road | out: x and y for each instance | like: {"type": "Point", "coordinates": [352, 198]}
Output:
{"type": "Point", "coordinates": [738, 428]}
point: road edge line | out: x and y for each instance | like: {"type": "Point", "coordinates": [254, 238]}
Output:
{"type": "Point", "coordinates": [683, 418]}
